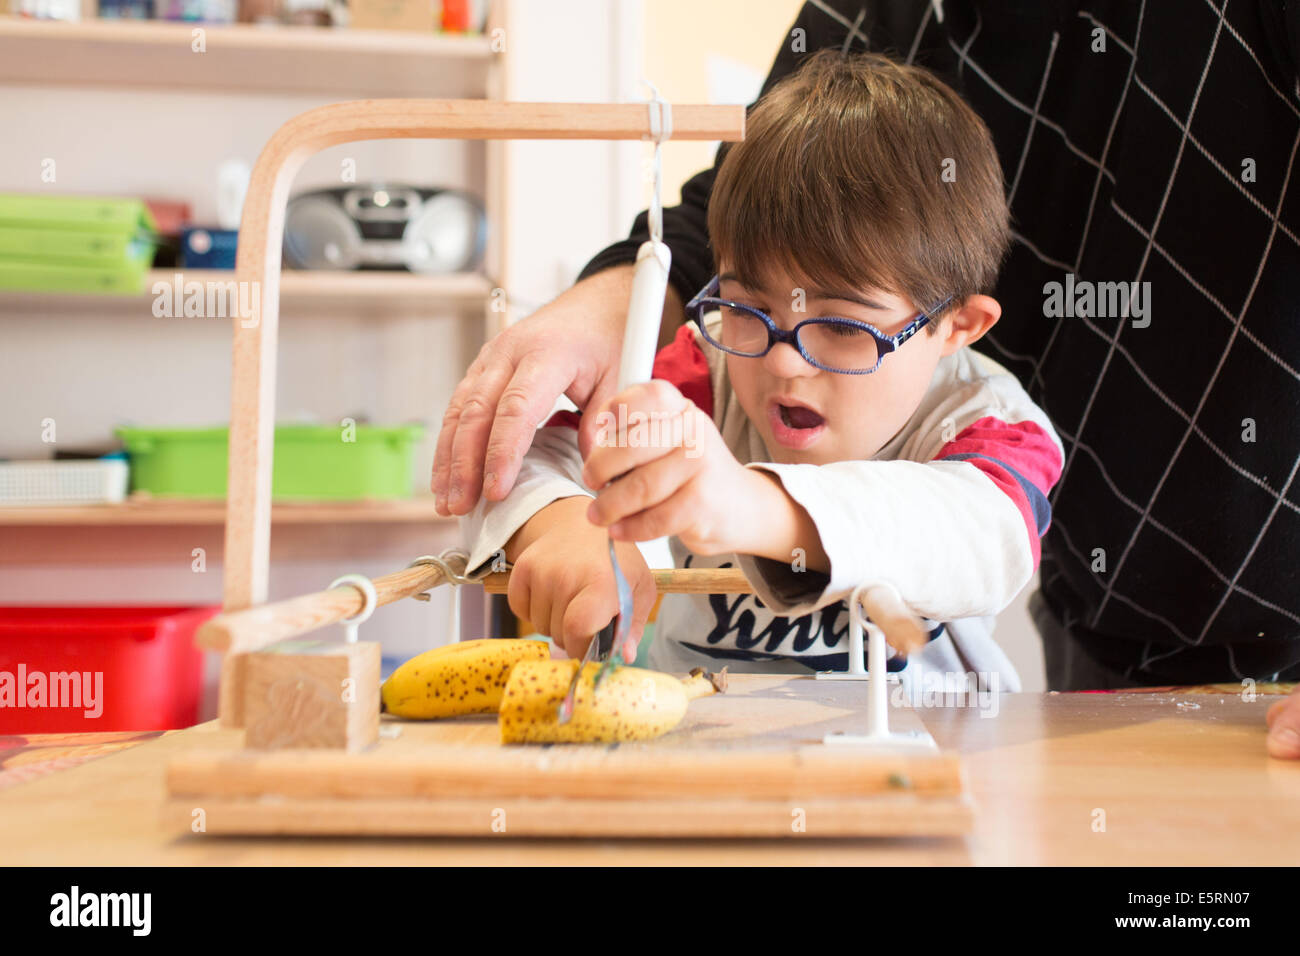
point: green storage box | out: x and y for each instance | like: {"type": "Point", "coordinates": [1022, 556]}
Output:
{"type": "Point", "coordinates": [311, 462]}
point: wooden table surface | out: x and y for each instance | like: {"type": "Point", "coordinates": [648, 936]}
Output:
{"type": "Point", "coordinates": [1181, 778]}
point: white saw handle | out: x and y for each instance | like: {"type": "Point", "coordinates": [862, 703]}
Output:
{"type": "Point", "coordinates": [644, 314]}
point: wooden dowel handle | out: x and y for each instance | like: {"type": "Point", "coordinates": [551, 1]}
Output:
{"type": "Point", "coordinates": [238, 632]}
{"type": "Point", "coordinates": [667, 581]}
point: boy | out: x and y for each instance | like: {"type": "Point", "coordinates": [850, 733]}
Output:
{"type": "Point", "coordinates": [864, 210]}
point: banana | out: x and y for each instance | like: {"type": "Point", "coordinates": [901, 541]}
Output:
{"type": "Point", "coordinates": [631, 704]}
{"type": "Point", "coordinates": [457, 679]}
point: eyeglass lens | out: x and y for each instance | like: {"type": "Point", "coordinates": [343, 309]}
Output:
{"type": "Point", "coordinates": [833, 346]}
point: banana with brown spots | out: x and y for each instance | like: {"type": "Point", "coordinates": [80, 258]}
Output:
{"type": "Point", "coordinates": [631, 704]}
{"type": "Point", "coordinates": [457, 679]}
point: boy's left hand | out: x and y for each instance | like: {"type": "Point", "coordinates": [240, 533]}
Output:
{"type": "Point", "coordinates": [681, 479]}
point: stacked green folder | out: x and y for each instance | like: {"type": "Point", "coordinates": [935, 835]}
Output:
{"type": "Point", "coordinates": [74, 243]}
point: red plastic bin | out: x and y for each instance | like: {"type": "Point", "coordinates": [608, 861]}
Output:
{"type": "Point", "coordinates": [150, 674]}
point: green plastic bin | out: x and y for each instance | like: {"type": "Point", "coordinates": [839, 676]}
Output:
{"type": "Point", "coordinates": [311, 462]}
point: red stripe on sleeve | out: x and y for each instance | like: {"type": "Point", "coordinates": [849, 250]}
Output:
{"type": "Point", "coordinates": [1024, 446]}
{"type": "Point", "coordinates": [1011, 488]}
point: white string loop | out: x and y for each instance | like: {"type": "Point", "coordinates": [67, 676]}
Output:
{"type": "Point", "coordinates": [661, 129]}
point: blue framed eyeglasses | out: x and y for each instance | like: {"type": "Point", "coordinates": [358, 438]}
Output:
{"type": "Point", "coordinates": [844, 346]}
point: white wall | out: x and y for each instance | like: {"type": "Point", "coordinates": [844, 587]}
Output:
{"type": "Point", "coordinates": [569, 199]}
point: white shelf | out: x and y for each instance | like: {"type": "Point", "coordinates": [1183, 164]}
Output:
{"type": "Point", "coordinates": [361, 293]}
{"type": "Point", "coordinates": [177, 511]}
{"type": "Point", "coordinates": [244, 58]}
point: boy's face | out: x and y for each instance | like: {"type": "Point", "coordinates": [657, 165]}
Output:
{"type": "Point", "coordinates": [855, 415]}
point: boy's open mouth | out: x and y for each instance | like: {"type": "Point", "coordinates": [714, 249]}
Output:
{"type": "Point", "coordinates": [793, 425]}
{"type": "Point", "coordinates": [796, 416]}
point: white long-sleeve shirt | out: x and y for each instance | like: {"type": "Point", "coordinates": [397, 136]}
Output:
{"type": "Point", "coordinates": [949, 511]}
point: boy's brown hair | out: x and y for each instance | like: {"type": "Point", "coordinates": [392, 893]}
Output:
{"type": "Point", "coordinates": [840, 178]}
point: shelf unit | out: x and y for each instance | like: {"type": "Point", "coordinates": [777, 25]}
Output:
{"type": "Point", "coordinates": [359, 292]}
{"type": "Point", "coordinates": [272, 60]}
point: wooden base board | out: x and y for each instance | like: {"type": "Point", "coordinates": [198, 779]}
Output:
{"type": "Point", "coordinates": [747, 763]}
{"type": "Point", "coordinates": [882, 816]}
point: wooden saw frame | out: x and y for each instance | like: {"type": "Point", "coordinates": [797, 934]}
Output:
{"type": "Point", "coordinates": [289, 757]}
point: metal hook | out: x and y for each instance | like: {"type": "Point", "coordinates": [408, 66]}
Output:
{"type": "Point", "coordinates": [450, 574]}
{"type": "Point", "coordinates": [453, 577]}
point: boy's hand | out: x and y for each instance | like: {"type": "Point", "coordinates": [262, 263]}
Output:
{"type": "Point", "coordinates": [681, 478]}
{"type": "Point", "coordinates": [563, 583]}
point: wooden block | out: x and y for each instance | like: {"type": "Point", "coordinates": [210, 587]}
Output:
{"type": "Point", "coordinates": [313, 694]}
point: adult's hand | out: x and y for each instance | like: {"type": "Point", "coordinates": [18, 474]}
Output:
{"type": "Point", "coordinates": [569, 346]}
{"type": "Point", "coordinates": [1284, 727]}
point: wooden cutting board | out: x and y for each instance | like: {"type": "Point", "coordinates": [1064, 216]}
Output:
{"type": "Point", "coordinates": [746, 763]}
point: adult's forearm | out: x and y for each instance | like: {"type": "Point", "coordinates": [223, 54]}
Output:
{"type": "Point", "coordinates": [612, 288]}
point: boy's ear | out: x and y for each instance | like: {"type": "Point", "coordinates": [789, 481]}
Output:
{"type": "Point", "coordinates": [969, 323]}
